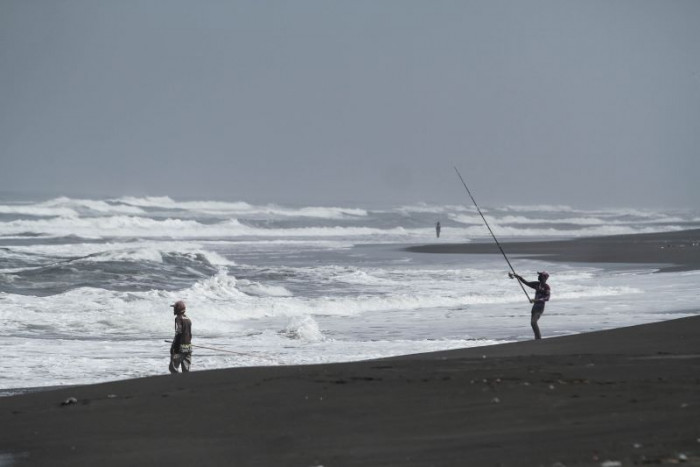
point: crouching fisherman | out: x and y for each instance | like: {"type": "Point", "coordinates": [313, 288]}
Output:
{"type": "Point", "coordinates": [181, 348]}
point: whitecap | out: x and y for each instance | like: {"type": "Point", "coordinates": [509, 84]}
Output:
{"type": "Point", "coordinates": [304, 328]}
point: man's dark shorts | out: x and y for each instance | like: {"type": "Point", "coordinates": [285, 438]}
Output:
{"type": "Point", "coordinates": [538, 308]}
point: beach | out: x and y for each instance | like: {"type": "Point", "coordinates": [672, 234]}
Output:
{"type": "Point", "coordinates": [627, 396]}
{"type": "Point", "coordinates": [673, 251]}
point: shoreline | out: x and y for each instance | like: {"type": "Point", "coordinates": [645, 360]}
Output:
{"type": "Point", "coordinates": [673, 251]}
{"type": "Point", "coordinates": [628, 395]}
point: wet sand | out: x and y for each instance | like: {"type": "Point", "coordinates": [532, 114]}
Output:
{"type": "Point", "coordinates": [628, 396]}
{"type": "Point", "coordinates": [673, 251]}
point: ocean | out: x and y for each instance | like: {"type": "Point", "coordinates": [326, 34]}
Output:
{"type": "Point", "coordinates": [86, 284]}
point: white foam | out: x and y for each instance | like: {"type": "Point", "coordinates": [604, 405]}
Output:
{"type": "Point", "coordinates": [38, 211]}
{"type": "Point", "coordinates": [128, 226]}
{"type": "Point", "coordinates": [148, 201]}
{"type": "Point", "coordinates": [260, 290]}
{"type": "Point", "coordinates": [118, 251]}
{"type": "Point", "coordinates": [131, 255]}
{"type": "Point", "coordinates": [304, 328]}
{"type": "Point", "coordinates": [67, 207]}
{"type": "Point", "coordinates": [539, 207]}
{"type": "Point", "coordinates": [244, 209]}
{"type": "Point", "coordinates": [424, 208]}
{"type": "Point", "coordinates": [90, 206]}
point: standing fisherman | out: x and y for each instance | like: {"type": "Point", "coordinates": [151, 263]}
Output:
{"type": "Point", "coordinates": [437, 229]}
{"type": "Point", "coordinates": [181, 349]}
{"type": "Point", "coordinates": [542, 292]}
{"type": "Point", "coordinates": [541, 288]}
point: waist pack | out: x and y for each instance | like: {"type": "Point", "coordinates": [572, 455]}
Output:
{"type": "Point", "coordinates": [186, 348]}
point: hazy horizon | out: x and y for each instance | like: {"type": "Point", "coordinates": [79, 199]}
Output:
{"type": "Point", "coordinates": [578, 103]}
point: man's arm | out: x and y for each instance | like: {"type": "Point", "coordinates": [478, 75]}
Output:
{"type": "Point", "coordinates": [532, 285]}
{"type": "Point", "coordinates": [175, 347]}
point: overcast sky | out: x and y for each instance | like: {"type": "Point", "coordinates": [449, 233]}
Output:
{"type": "Point", "coordinates": [586, 103]}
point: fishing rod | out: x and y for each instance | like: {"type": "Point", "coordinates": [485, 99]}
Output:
{"type": "Point", "coordinates": [492, 234]}
{"type": "Point", "coordinates": [223, 350]}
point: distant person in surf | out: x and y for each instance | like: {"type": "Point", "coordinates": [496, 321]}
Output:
{"type": "Point", "coordinates": [542, 292]}
{"type": "Point", "coordinates": [181, 348]}
{"type": "Point", "coordinates": [437, 229]}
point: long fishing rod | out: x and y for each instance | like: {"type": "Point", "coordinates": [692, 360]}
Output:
{"type": "Point", "coordinates": [492, 234]}
{"type": "Point", "coordinates": [223, 350]}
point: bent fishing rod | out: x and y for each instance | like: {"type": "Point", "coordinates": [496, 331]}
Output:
{"type": "Point", "coordinates": [492, 234]}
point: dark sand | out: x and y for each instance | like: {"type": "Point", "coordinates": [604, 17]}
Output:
{"type": "Point", "coordinates": [629, 395]}
{"type": "Point", "coordinates": [674, 251]}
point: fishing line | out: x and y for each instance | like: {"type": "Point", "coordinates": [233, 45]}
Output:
{"type": "Point", "coordinates": [226, 351]}
{"type": "Point", "coordinates": [491, 231]}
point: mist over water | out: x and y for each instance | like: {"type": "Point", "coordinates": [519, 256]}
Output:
{"type": "Point", "coordinates": [86, 284]}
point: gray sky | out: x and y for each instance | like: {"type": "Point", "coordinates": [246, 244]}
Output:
{"type": "Point", "coordinates": [587, 103]}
